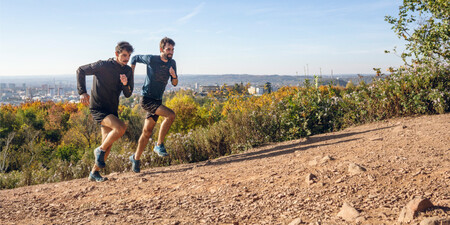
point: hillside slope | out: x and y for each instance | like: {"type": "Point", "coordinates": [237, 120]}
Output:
{"type": "Point", "coordinates": [403, 158]}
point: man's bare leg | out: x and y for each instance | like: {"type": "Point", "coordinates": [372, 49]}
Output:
{"type": "Point", "coordinates": [169, 117]}
{"type": "Point", "coordinates": [105, 131]}
{"type": "Point", "coordinates": [118, 129]}
{"type": "Point", "coordinates": [147, 130]}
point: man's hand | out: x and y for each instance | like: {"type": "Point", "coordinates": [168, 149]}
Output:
{"type": "Point", "coordinates": [174, 76]}
{"type": "Point", "coordinates": [123, 79]}
{"type": "Point", "coordinates": [84, 99]}
{"type": "Point", "coordinates": [172, 73]}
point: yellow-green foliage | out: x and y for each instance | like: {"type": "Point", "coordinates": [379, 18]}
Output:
{"type": "Point", "coordinates": [50, 142]}
{"type": "Point", "coordinates": [187, 111]}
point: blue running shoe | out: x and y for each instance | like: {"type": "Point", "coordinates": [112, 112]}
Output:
{"type": "Point", "coordinates": [95, 176]}
{"type": "Point", "coordinates": [160, 150]}
{"type": "Point", "coordinates": [99, 157]}
{"type": "Point", "coordinates": [135, 164]}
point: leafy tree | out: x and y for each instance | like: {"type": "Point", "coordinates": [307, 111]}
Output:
{"type": "Point", "coordinates": [350, 85]}
{"type": "Point", "coordinates": [82, 127]}
{"type": "Point", "coordinates": [268, 87]}
{"type": "Point", "coordinates": [4, 154]}
{"type": "Point", "coordinates": [187, 113]}
{"type": "Point", "coordinates": [424, 24]}
{"type": "Point", "coordinates": [67, 153]}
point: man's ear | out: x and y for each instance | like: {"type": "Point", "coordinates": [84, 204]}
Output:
{"type": "Point", "coordinates": [160, 49]}
{"type": "Point", "coordinates": [117, 54]}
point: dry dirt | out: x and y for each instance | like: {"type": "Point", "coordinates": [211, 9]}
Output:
{"type": "Point", "coordinates": [403, 158]}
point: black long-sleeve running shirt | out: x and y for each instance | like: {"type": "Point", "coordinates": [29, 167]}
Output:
{"type": "Point", "coordinates": [106, 86]}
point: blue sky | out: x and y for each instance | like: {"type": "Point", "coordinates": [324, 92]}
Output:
{"type": "Point", "coordinates": [51, 37]}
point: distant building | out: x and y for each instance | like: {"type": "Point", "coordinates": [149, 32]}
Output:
{"type": "Point", "coordinates": [206, 89]}
{"type": "Point", "coordinates": [29, 93]}
{"type": "Point", "coordinates": [60, 91]}
{"type": "Point", "coordinates": [12, 86]}
{"type": "Point", "coordinates": [51, 91]}
{"type": "Point", "coordinates": [256, 90]}
{"type": "Point", "coordinates": [261, 89]}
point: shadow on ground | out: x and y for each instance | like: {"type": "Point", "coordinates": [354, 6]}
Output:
{"type": "Point", "coordinates": [274, 151]}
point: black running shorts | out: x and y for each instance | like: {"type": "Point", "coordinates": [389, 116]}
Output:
{"type": "Point", "coordinates": [151, 105]}
{"type": "Point", "coordinates": [99, 115]}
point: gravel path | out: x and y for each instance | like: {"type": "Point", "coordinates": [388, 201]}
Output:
{"type": "Point", "coordinates": [375, 168]}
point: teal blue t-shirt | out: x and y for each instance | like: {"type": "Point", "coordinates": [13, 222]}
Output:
{"type": "Point", "coordinates": [157, 74]}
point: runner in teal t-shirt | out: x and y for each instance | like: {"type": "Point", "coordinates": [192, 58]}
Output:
{"type": "Point", "coordinates": [159, 69]}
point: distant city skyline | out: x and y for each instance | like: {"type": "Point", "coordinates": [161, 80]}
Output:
{"type": "Point", "coordinates": [50, 37]}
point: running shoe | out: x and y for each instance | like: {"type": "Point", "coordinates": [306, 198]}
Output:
{"type": "Point", "coordinates": [160, 150]}
{"type": "Point", "coordinates": [135, 164]}
{"type": "Point", "coordinates": [95, 176]}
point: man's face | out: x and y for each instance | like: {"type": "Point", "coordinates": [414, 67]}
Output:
{"type": "Point", "coordinates": [167, 51]}
{"type": "Point", "coordinates": [123, 57]}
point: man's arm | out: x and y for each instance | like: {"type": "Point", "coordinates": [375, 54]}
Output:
{"type": "Point", "coordinates": [82, 71]}
{"type": "Point", "coordinates": [140, 59]}
{"type": "Point", "coordinates": [173, 74]}
{"type": "Point", "coordinates": [129, 86]}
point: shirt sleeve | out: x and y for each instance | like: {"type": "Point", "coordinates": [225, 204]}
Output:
{"type": "Point", "coordinates": [83, 71]}
{"type": "Point", "coordinates": [141, 59]}
{"type": "Point", "coordinates": [128, 89]}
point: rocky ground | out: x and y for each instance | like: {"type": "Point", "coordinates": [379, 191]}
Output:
{"type": "Point", "coordinates": [372, 171]}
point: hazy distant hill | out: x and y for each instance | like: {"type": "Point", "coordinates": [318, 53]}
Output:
{"type": "Point", "coordinates": [189, 80]}
{"type": "Point", "coordinates": [277, 80]}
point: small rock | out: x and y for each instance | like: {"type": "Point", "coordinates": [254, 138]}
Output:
{"type": "Point", "coordinates": [348, 213]}
{"type": "Point", "coordinates": [360, 219]}
{"type": "Point", "coordinates": [435, 221]}
{"type": "Point", "coordinates": [326, 159]}
{"type": "Point", "coordinates": [90, 188]}
{"type": "Point", "coordinates": [412, 208]}
{"type": "Point", "coordinates": [354, 168]}
{"type": "Point", "coordinates": [376, 138]}
{"type": "Point", "coordinates": [143, 180]}
{"type": "Point", "coordinates": [399, 129]}
{"type": "Point", "coordinates": [313, 162]}
{"type": "Point", "coordinates": [310, 178]}
{"type": "Point", "coordinates": [339, 180]}
{"type": "Point", "coordinates": [296, 222]}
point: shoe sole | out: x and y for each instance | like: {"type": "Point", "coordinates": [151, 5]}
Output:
{"type": "Point", "coordinates": [161, 155]}
{"type": "Point", "coordinates": [93, 179]}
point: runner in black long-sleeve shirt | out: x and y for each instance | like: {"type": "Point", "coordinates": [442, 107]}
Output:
{"type": "Point", "coordinates": [111, 77]}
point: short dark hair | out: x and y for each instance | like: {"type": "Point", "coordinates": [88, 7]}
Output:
{"type": "Point", "coordinates": [165, 41]}
{"type": "Point", "coordinates": [123, 45]}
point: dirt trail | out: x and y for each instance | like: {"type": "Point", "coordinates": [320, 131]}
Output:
{"type": "Point", "coordinates": [273, 184]}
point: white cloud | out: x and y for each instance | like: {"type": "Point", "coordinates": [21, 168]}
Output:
{"type": "Point", "coordinates": [196, 11]}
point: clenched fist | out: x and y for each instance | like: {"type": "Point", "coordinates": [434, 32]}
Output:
{"type": "Point", "coordinates": [123, 79]}
{"type": "Point", "coordinates": [84, 99]}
